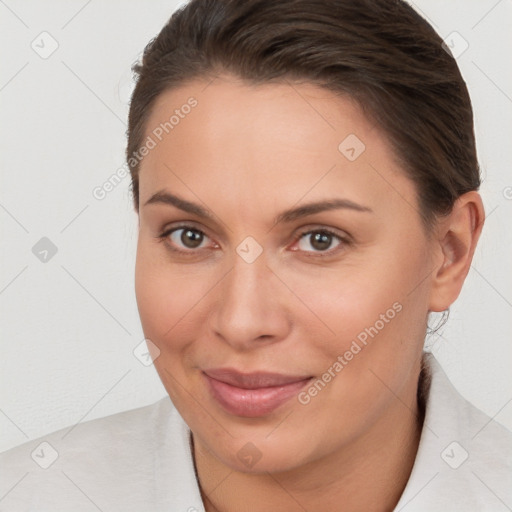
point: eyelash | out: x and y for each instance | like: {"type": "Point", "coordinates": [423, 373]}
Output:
{"type": "Point", "coordinates": [344, 240]}
{"type": "Point", "coordinates": [163, 237]}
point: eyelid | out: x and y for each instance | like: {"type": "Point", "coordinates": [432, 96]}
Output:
{"type": "Point", "coordinates": [343, 235]}
{"type": "Point", "coordinates": [344, 238]}
{"type": "Point", "coordinates": [182, 224]}
{"type": "Point", "coordinates": [164, 233]}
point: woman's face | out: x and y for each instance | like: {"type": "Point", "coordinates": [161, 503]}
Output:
{"type": "Point", "coordinates": [286, 278]}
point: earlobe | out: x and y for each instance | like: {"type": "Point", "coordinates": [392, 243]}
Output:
{"type": "Point", "coordinates": [458, 235]}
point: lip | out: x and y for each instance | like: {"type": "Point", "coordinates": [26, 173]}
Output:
{"type": "Point", "coordinates": [252, 394]}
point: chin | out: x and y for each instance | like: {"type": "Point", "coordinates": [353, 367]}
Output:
{"type": "Point", "coordinates": [270, 463]}
{"type": "Point", "coordinates": [259, 454]}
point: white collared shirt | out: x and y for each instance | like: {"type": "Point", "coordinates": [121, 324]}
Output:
{"type": "Point", "coordinates": [141, 461]}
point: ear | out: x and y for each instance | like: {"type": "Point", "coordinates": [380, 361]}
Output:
{"type": "Point", "coordinates": [457, 236]}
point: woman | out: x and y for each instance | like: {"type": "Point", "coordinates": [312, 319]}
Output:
{"type": "Point", "coordinates": [306, 181]}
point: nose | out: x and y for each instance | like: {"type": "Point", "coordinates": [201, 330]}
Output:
{"type": "Point", "coordinates": [250, 307]}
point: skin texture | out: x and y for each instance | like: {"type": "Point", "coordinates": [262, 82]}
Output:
{"type": "Point", "coordinates": [247, 153]}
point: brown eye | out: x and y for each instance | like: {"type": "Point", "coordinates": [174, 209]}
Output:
{"type": "Point", "coordinates": [318, 241]}
{"type": "Point", "coordinates": [187, 237]}
{"type": "Point", "coordinates": [191, 238]}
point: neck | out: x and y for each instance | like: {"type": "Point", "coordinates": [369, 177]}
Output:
{"type": "Point", "coordinates": [370, 474]}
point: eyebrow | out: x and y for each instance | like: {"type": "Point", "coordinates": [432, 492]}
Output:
{"type": "Point", "coordinates": [163, 197]}
{"type": "Point", "coordinates": [320, 206]}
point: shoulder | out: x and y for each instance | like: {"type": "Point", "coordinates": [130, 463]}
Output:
{"type": "Point", "coordinates": [108, 462]}
{"type": "Point", "coordinates": [81, 441]}
{"type": "Point", "coordinates": [464, 460]}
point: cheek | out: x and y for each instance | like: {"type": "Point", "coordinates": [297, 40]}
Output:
{"type": "Point", "coordinates": [167, 295]}
{"type": "Point", "coordinates": [377, 303]}
{"type": "Point", "coordinates": [168, 301]}
{"type": "Point", "coordinates": [166, 298]}
{"type": "Point", "coordinates": [378, 338]}
{"type": "Point", "coordinates": [338, 307]}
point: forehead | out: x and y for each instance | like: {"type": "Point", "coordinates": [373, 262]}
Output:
{"type": "Point", "coordinates": [283, 113]}
{"type": "Point", "coordinates": [279, 140]}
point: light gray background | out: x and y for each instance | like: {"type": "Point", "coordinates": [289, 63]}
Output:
{"type": "Point", "coordinates": [70, 325]}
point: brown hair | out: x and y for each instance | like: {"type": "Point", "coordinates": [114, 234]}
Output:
{"type": "Point", "coordinates": [382, 53]}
